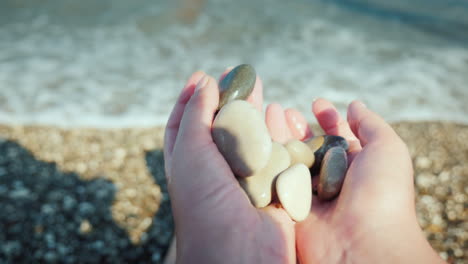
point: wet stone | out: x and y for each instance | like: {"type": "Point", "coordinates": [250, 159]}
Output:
{"type": "Point", "coordinates": [238, 84]}
{"type": "Point", "coordinates": [332, 173]}
{"type": "Point", "coordinates": [320, 145]}
{"type": "Point", "coordinates": [242, 138]}
{"type": "Point", "coordinates": [259, 186]}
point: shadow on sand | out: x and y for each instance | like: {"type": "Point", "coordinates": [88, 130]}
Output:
{"type": "Point", "coordinates": [42, 209]}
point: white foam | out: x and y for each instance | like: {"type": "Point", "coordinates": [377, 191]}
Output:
{"type": "Point", "coordinates": [128, 73]}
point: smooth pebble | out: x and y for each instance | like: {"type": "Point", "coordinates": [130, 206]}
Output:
{"type": "Point", "coordinates": [294, 189]}
{"type": "Point", "coordinates": [320, 145]}
{"type": "Point", "coordinates": [259, 186]}
{"type": "Point", "coordinates": [238, 84]}
{"type": "Point", "coordinates": [332, 173]}
{"type": "Point", "coordinates": [300, 153]}
{"type": "Point", "coordinates": [242, 138]}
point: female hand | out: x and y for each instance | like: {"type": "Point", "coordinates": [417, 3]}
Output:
{"type": "Point", "coordinates": [373, 220]}
{"type": "Point", "coordinates": [214, 219]}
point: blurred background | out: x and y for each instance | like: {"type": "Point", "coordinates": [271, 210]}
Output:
{"type": "Point", "coordinates": [86, 88]}
{"type": "Point", "coordinates": [117, 63]}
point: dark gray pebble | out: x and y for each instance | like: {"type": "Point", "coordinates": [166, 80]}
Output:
{"type": "Point", "coordinates": [332, 173]}
{"type": "Point", "coordinates": [320, 145]}
{"type": "Point", "coordinates": [237, 85]}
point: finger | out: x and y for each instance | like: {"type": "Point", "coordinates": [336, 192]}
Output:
{"type": "Point", "coordinates": [383, 164]}
{"type": "Point", "coordinates": [198, 114]}
{"type": "Point", "coordinates": [202, 183]}
{"type": "Point", "coordinates": [194, 144]}
{"type": "Point", "coordinates": [276, 123]}
{"type": "Point", "coordinates": [297, 124]}
{"type": "Point", "coordinates": [256, 97]}
{"type": "Point", "coordinates": [175, 117]}
{"type": "Point", "coordinates": [333, 124]}
{"type": "Point", "coordinates": [368, 126]}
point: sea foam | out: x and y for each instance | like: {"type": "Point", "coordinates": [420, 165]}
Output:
{"type": "Point", "coordinates": [127, 68]}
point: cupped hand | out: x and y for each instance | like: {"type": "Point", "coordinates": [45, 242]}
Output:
{"type": "Point", "coordinates": [373, 220]}
{"type": "Point", "coordinates": [214, 219]}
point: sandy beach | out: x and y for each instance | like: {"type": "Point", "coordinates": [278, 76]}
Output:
{"type": "Point", "coordinates": [97, 195]}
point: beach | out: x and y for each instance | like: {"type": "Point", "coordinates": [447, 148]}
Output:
{"type": "Point", "coordinates": [86, 88]}
{"type": "Point", "coordinates": [99, 195]}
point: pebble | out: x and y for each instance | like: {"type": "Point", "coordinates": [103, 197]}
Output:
{"type": "Point", "coordinates": [294, 189]}
{"type": "Point", "coordinates": [237, 85]}
{"type": "Point", "coordinates": [332, 173]}
{"type": "Point", "coordinates": [242, 138]}
{"type": "Point", "coordinates": [85, 227]}
{"type": "Point", "coordinates": [320, 145]}
{"type": "Point", "coordinates": [300, 153]}
{"type": "Point", "coordinates": [423, 163]}
{"type": "Point", "coordinates": [259, 186]}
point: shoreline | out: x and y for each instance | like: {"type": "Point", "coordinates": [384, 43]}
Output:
{"type": "Point", "coordinates": [122, 173]}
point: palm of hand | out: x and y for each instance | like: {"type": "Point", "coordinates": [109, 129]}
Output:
{"type": "Point", "coordinates": [267, 233]}
{"type": "Point", "coordinates": [339, 231]}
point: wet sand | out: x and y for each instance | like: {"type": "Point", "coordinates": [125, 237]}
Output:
{"type": "Point", "coordinates": [94, 195]}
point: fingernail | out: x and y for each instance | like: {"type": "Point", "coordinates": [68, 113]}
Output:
{"type": "Point", "coordinates": [202, 83]}
{"type": "Point", "coordinates": [296, 123]}
{"type": "Point", "coordinates": [363, 105]}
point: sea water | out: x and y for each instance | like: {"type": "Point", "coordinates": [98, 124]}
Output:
{"type": "Point", "coordinates": [122, 63]}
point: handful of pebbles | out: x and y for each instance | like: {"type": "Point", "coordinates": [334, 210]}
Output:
{"type": "Point", "coordinates": [267, 170]}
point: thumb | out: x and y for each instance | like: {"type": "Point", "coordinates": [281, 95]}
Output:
{"type": "Point", "coordinates": [368, 126]}
{"type": "Point", "coordinates": [201, 183]}
{"type": "Point", "coordinates": [383, 167]}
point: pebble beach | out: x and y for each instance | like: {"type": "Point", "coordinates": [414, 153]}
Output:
{"type": "Point", "coordinates": [85, 195]}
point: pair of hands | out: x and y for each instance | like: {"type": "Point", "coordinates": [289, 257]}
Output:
{"type": "Point", "coordinates": [372, 221]}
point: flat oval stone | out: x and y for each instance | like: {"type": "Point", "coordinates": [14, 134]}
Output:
{"type": "Point", "coordinates": [238, 84]}
{"type": "Point", "coordinates": [332, 173]}
{"type": "Point", "coordinates": [260, 185]}
{"type": "Point", "coordinates": [294, 189]}
{"type": "Point", "coordinates": [320, 145]}
{"type": "Point", "coordinates": [242, 138]}
{"type": "Point", "coordinates": [300, 153]}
